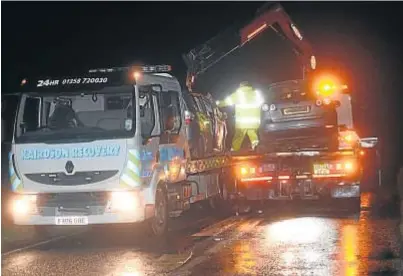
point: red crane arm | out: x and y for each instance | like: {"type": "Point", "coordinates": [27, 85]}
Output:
{"type": "Point", "coordinates": [199, 59]}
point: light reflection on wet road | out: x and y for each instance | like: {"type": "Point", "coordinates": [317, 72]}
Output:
{"type": "Point", "coordinates": [295, 243]}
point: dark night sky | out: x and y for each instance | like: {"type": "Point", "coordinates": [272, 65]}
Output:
{"type": "Point", "coordinates": [359, 40]}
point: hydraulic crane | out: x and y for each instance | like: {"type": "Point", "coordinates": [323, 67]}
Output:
{"type": "Point", "coordinates": [269, 16]}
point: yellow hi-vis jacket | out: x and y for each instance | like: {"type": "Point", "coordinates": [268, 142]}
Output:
{"type": "Point", "coordinates": [247, 103]}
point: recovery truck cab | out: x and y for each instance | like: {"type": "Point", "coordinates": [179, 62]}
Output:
{"type": "Point", "coordinates": [108, 146]}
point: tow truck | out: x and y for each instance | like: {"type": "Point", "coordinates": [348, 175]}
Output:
{"type": "Point", "coordinates": [104, 147]}
{"type": "Point", "coordinates": [300, 172]}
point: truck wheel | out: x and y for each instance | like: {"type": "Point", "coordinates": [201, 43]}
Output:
{"type": "Point", "coordinates": [159, 223]}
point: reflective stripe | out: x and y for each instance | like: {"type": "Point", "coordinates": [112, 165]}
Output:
{"type": "Point", "coordinates": [259, 98]}
{"type": "Point", "coordinates": [16, 183]}
{"type": "Point", "coordinates": [131, 166]}
{"type": "Point", "coordinates": [247, 106]}
{"type": "Point", "coordinates": [135, 153]}
{"type": "Point", "coordinates": [128, 180]}
{"type": "Point", "coordinates": [228, 101]}
{"type": "Point", "coordinates": [11, 170]}
{"type": "Point", "coordinates": [247, 120]}
{"type": "Point", "coordinates": [241, 96]}
{"type": "Point", "coordinates": [131, 175]}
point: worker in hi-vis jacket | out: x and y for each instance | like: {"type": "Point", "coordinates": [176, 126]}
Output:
{"type": "Point", "coordinates": [247, 102]}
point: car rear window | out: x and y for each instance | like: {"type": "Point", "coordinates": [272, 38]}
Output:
{"type": "Point", "coordinates": [289, 91]}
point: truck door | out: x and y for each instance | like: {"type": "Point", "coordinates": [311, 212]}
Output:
{"type": "Point", "coordinates": [150, 129]}
{"type": "Point", "coordinates": [170, 112]}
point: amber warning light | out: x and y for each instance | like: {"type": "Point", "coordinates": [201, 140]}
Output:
{"type": "Point", "coordinates": [327, 86]}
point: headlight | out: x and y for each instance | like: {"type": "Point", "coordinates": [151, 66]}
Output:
{"type": "Point", "coordinates": [124, 201]}
{"type": "Point", "coordinates": [24, 204]}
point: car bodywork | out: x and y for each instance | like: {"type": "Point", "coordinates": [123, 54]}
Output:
{"type": "Point", "coordinates": [294, 118]}
{"type": "Point", "coordinates": [206, 126]}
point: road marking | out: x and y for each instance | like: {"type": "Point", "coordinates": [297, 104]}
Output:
{"type": "Point", "coordinates": [217, 228]}
{"type": "Point", "coordinates": [243, 227]}
{"type": "Point", "coordinates": [38, 244]}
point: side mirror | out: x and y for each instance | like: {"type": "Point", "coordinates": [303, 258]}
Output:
{"type": "Point", "coordinates": [369, 142]}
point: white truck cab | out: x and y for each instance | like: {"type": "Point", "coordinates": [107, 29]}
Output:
{"type": "Point", "coordinates": [98, 148]}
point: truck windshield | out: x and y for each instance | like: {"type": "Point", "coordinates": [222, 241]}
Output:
{"type": "Point", "coordinates": [295, 90]}
{"type": "Point", "coordinates": [104, 114]}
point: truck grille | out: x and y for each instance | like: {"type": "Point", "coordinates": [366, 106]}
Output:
{"type": "Point", "coordinates": [89, 203]}
{"type": "Point", "coordinates": [79, 178]}
{"type": "Point", "coordinates": [72, 199]}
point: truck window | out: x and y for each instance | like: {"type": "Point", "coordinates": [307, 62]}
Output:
{"type": "Point", "coordinates": [116, 103]}
{"type": "Point", "coordinates": [31, 114]}
{"type": "Point", "coordinates": [147, 112]}
{"type": "Point", "coordinates": [289, 91]}
{"type": "Point", "coordinates": [80, 115]}
{"type": "Point", "coordinates": [170, 111]}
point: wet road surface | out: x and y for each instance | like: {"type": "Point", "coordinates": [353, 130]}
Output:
{"type": "Point", "coordinates": [302, 241]}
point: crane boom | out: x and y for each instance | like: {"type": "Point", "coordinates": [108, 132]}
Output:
{"type": "Point", "coordinates": [201, 58]}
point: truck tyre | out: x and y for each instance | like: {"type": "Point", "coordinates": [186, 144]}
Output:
{"type": "Point", "coordinates": [159, 223]}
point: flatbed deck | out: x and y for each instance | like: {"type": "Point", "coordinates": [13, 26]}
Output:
{"type": "Point", "coordinates": [232, 158]}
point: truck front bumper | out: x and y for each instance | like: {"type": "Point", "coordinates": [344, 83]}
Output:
{"type": "Point", "coordinates": [78, 208]}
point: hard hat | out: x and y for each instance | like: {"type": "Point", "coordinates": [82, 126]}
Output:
{"type": "Point", "coordinates": [245, 84]}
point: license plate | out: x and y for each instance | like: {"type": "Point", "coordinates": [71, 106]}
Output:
{"type": "Point", "coordinates": [296, 110]}
{"type": "Point", "coordinates": [81, 220]}
{"type": "Point", "coordinates": [321, 169]}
